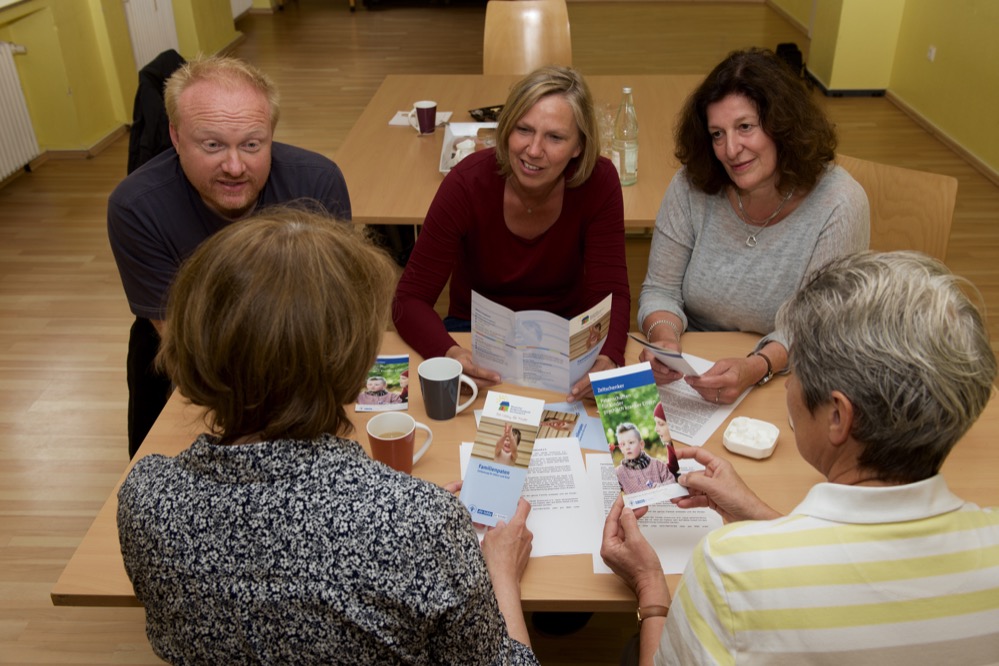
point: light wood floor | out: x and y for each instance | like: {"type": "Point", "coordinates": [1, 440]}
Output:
{"type": "Point", "coordinates": [64, 322]}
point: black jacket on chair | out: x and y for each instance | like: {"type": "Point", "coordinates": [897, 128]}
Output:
{"type": "Point", "coordinates": [150, 133]}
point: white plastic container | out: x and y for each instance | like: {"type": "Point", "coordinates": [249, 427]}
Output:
{"type": "Point", "coordinates": [458, 133]}
{"type": "Point", "coordinates": [751, 437]}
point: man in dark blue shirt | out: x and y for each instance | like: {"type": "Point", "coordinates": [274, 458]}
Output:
{"type": "Point", "coordinates": [224, 166]}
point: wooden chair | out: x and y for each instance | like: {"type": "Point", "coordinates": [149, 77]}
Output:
{"type": "Point", "coordinates": [910, 210]}
{"type": "Point", "coordinates": [522, 35]}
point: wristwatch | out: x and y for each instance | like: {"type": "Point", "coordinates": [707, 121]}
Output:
{"type": "Point", "coordinates": [770, 367]}
{"type": "Point", "coordinates": [645, 612]}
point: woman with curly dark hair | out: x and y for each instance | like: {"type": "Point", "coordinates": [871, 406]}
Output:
{"type": "Point", "coordinates": [758, 206]}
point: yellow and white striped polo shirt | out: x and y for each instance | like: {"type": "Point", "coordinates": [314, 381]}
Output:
{"type": "Point", "coordinates": [855, 575]}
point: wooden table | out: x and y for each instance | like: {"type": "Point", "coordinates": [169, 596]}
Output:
{"type": "Point", "coordinates": [393, 174]}
{"type": "Point", "coordinates": [95, 576]}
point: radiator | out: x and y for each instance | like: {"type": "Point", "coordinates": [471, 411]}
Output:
{"type": "Point", "coordinates": [18, 144]}
{"type": "Point", "coordinates": [152, 28]}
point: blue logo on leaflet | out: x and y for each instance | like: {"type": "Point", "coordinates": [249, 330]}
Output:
{"type": "Point", "coordinates": [482, 512]}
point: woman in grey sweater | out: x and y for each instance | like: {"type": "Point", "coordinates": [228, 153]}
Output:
{"type": "Point", "coordinates": [757, 207]}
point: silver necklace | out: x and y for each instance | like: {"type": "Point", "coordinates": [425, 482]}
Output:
{"type": "Point", "coordinates": [751, 237]}
{"type": "Point", "coordinates": [520, 198]}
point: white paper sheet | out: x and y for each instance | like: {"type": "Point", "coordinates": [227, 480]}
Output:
{"type": "Point", "coordinates": [673, 532]}
{"type": "Point", "coordinates": [692, 420]}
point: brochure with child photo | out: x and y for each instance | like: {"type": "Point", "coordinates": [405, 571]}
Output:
{"type": "Point", "coordinates": [637, 433]}
{"type": "Point", "coordinates": [387, 385]}
{"type": "Point", "coordinates": [501, 454]}
{"type": "Point", "coordinates": [536, 348]}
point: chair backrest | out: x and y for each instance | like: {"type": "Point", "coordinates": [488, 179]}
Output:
{"type": "Point", "coordinates": [910, 210]}
{"type": "Point", "coordinates": [522, 35]}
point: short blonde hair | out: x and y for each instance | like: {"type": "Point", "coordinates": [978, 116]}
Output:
{"type": "Point", "coordinates": [274, 323]}
{"type": "Point", "coordinates": [527, 92]}
{"type": "Point", "coordinates": [224, 71]}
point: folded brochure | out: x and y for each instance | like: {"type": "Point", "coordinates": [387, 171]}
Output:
{"type": "Point", "coordinates": [501, 454]}
{"type": "Point", "coordinates": [645, 465]}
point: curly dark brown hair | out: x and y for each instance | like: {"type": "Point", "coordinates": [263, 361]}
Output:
{"type": "Point", "coordinates": [805, 139]}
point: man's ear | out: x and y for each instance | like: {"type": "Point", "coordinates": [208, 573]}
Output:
{"type": "Point", "coordinates": [840, 418]}
{"type": "Point", "coordinates": [173, 136]}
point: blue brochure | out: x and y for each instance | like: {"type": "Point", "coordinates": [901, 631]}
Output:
{"type": "Point", "coordinates": [504, 442]}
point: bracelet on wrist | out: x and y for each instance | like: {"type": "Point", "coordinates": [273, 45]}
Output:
{"type": "Point", "coordinates": [668, 322]}
{"type": "Point", "coordinates": [770, 367]}
{"type": "Point", "coordinates": [645, 612]}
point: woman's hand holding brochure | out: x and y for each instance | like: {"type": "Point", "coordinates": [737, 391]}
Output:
{"type": "Point", "coordinates": [676, 366]}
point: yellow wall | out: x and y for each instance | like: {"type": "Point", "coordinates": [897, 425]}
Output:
{"type": "Point", "coordinates": [71, 72]}
{"type": "Point", "coordinates": [203, 26]}
{"type": "Point", "coordinates": [43, 73]}
{"type": "Point", "coordinates": [116, 54]}
{"type": "Point", "coordinates": [825, 33]}
{"type": "Point", "coordinates": [853, 43]}
{"type": "Point", "coordinates": [79, 75]}
{"type": "Point", "coordinates": [89, 93]}
{"type": "Point", "coordinates": [959, 91]}
{"type": "Point", "coordinates": [799, 11]}
{"type": "Point", "coordinates": [869, 32]}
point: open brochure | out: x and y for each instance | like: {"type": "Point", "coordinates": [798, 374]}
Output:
{"type": "Point", "coordinates": [387, 385]}
{"type": "Point", "coordinates": [537, 348]}
{"type": "Point", "coordinates": [501, 454]}
{"type": "Point", "coordinates": [637, 433]}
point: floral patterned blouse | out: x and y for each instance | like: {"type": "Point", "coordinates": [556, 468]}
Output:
{"type": "Point", "coordinates": [305, 552]}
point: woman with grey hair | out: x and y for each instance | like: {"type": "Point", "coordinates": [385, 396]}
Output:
{"type": "Point", "coordinates": [891, 364]}
{"type": "Point", "coordinates": [535, 224]}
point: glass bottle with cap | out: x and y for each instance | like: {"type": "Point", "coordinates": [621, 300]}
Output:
{"type": "Point", "coordinates": [625, 146]}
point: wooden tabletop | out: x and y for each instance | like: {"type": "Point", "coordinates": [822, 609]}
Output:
{"type": "Point", "coordinates": [393, 173]}
{"type": "Point", "coordinates": [95, 575]}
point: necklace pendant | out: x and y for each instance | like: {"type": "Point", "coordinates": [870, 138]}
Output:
{"type": "Point", "coordinates": [751, 241]}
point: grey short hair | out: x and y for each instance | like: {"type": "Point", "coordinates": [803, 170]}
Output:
{"type": "Point", "coordinates": [897, 335]}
